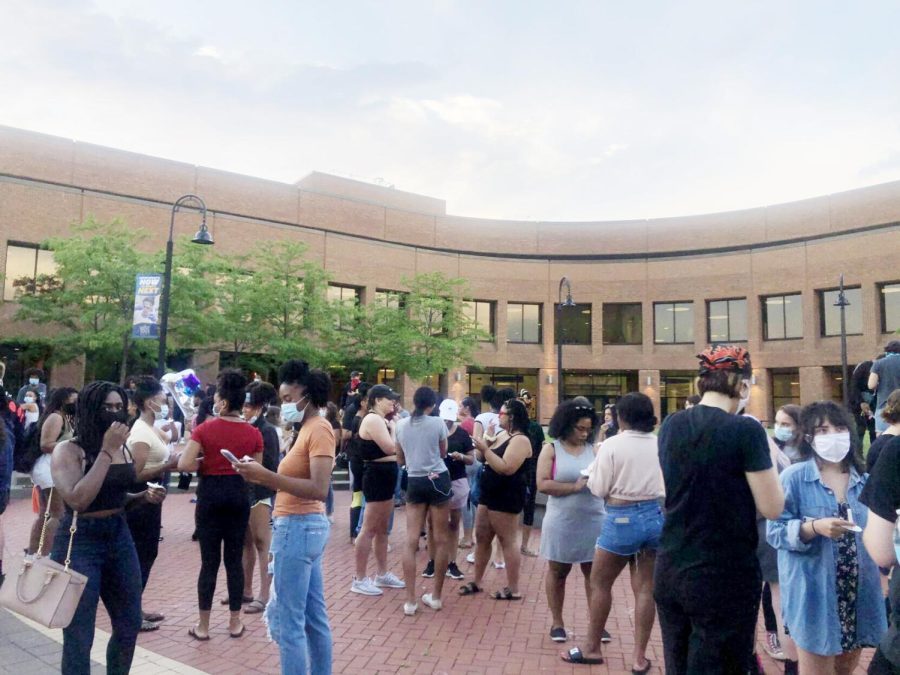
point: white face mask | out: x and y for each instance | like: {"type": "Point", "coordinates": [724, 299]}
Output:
{"type": "Point", "coordinates": [162, 413]}
{"type": "Point", "coordinates": [29, 399]}
{"type": "Point", "coordinates": [784, 434]}
{"type": "Point", "coordinates": [33, 381]}
{"type": "Point", "coordinates": [832, 447]}
{"type": "Point", "coordinates": [745, 400]}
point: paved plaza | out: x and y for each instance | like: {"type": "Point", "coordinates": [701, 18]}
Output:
{"type": "Point", "coordinates": [371, 635]}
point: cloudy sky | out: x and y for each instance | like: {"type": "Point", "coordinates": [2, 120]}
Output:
{"type": "Point", "coordinates": [569, 110]}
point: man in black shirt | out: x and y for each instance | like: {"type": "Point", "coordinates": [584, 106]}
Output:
{"type": "Point", "coordinates": [882, 495]}
{"type": "Point", "coordinates": [718, 473]}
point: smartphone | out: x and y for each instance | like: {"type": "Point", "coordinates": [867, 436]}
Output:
{"type": "Point", "coordinates": [155, 486]}
{"type": "Point", "coordinates": [586, 473]}
{"type": "Point", "coordinates": [227, 454]}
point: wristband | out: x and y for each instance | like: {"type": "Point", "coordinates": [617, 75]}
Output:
{"type": "Point", "coordinates": [812, 524]}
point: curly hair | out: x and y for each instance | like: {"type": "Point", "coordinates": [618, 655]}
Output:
{"type": "Point", "coordinates": [260, 394]}
{"type": "Point", "coordinates": [87, 418]}
{"type": "Point", "coordinates": [293, 371]}
{"type": "Point", "coordinates": [820, 412]}
{"type": "Point", "coordinates": [518, 415]}
{"type": "Point", "coordinates": [566, 417]}
{"type": "Point", "coordinates": [231, 385]}
{"type": "Point", "coordinates": [318, 386]}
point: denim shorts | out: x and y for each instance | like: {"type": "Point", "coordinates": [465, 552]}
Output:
{"type": "Point", "coordinates": [630, 529]}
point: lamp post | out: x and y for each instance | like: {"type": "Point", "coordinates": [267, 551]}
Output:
{"type": "Point", "coordinates": [842, 303]}
{"type": "Point", "coordinates": [202, 237]}
{"type": "Point", "coordinates": [559, 335]}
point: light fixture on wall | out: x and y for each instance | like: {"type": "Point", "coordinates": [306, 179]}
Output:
{"type": "Point", "coordinates": [458, 376]}
{"type": "Point", "coordinates": [549, 379]}
{"type": "Point", "coordinates": [649, 380]}
{"type": "Point", "coordinates": [753, 380]}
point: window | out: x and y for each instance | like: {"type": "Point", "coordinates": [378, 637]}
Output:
{"type": "Point", "coordinates": [599, 386]}
{"type": "Point", "coordinates": [785, 387]}
{"type": "Point", "coordinates": [727, 320]}
{"type": "Point", "coordinates": [890, 307]}
{"type": "Point", "coordinates": [481, 313]}
{"type": "Point", "coordinates": [523, 323]}
{"type": "Point", "coordinates": [673, 322]}
{"type": "Point", "coordinates": [623, 324]}
{"type": "Point", "coordinates": [28, 268]}
{"type": "Point", "coordinates": [390, 299]}
{"type": "Point", "coordinates": [830, 316]}
{"type": "Point", "coordinates": [348, 297]}
{"type": "Point", "coordinates": [573, 326]}
{"type": "Point", "coordinates": [782, 317]}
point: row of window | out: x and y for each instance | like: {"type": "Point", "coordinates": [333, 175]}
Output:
{"type": "Point", "coordinates": [673, 322]}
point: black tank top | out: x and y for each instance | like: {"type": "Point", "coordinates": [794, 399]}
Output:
{"type": "Point", "coordinates": [500, 485]}
{"type": "Point", "coordinates": [367, 449]}
{"type": "Point", "coordinates": [119, 479]}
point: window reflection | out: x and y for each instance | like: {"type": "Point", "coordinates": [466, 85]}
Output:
{"type": "Point", "coordinates": [26, 267]}
{"type": "Point", "coordinates": [783, 317]}
{"type": "Point", "coordinates": [831, 315]}
{"type": "Point", "coordinates": [728, 320]}
{"type": "Point", "coordinates": [523, 322]}
{"type": "Point", "coordinates": [673, 322]}
{"type": "Point", "coordinates": [622, 323]}
{"type": "Point", "coordinates": [890, 308]}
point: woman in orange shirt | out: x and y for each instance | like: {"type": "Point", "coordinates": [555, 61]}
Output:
{"type": "Point", "coordinates": [296, 613]}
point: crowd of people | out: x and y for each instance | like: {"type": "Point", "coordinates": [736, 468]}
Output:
{"type": "Point", "coordinates": [713, 516]}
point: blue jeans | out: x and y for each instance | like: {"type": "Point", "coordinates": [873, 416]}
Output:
{"type": "Point", "coordinates": [104, 552]}
{"type": "Point", "coordinates": [296, 613]}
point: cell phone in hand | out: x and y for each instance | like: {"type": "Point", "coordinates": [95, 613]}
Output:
{"type": "Point", "coordinates": [155, 486]}
{"type": "Point", "coordinates": [227, 454]}
{"type": "Point", "coordinates": [586, 473]}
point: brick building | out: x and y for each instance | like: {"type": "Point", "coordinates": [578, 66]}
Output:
{"type": "Point", "coordinates": [650, 293]}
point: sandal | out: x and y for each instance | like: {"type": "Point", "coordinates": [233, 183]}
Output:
{"type": "Point", "coordinates": [465, 544]}
{"type": "Point", "coordinates": [470, 588]}
{"type": "Point", "coordinates": [528, 553]}
{"type": "Point", "coordinates": [506, 594]}
{"type": "Point", "coordinates": [642, 671]}
{"type": "Point", "coordinates": [239, 633]}
{"type": "Point", "coordinates": [192, 631]}
{"type": "Point", "coordinates": [244, 600]}
{"type": "Point", "coordinates": [575, 656]}
{"type": "Point", "coordinates": [255, 607]}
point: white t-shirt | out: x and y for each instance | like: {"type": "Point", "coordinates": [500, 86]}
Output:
{"type": "Point", "coordinates": [141, 432]}
{"type": "Point", "coordinates": [487, 419]}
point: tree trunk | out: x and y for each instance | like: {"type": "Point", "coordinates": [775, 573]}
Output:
{"type": "Point", "coordinates": [126, 347]}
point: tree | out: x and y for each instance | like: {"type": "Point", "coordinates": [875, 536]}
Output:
{"type": "Point", "coordinates": [88, 307]}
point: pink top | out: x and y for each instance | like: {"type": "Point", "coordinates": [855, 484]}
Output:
{"type": "Point", "coordinates": [627, 467]}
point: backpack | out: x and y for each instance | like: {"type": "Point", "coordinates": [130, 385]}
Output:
{"type": "Point", "coordinates": [27, 449]}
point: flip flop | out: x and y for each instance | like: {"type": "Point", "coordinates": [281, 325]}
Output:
{"type": "Point", "coordinates": [193, 633]}
{"type": "Point", "coordinates": [528, 553]}
{"type": "Point", "coordinates": [244, 600]}
{"type": "Point", "coordinates": [239, 633]}
{"type": "Point", "coordinates": [575, 656]}
{"type": "Point", "coordinates": [506, 594]}
{"type": "Point", "coordinates": [255, 607]}
{"type": "Point", "coordinates": [470, 588]}
{"type": "Point", "coordinates": [644, 670]}
{"type": "Point", "coordinates": [465, 544]}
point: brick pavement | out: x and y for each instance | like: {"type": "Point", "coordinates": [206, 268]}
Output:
{"type": "Point", "coordinates": [371, 635]}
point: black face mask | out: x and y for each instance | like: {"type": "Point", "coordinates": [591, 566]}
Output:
{"type": "Point", "coordinates": [107, 418]}
{"type": "Point", "coordinates": [69, 408]}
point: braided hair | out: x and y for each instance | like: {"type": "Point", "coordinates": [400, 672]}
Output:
{"type": "Point", "coordinates": [87, 418]}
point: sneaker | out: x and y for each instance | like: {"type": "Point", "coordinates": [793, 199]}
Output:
{"type": "Point", "coordinates": [431, 602]}
{"type": "Point", "coordinates": [365, 586]}
{"type": "Point", "coordinates": [429, 570]}
{"type": "Point", "coordinates": [605, 636]}
{"type": "Point", "coordinates": [410, 608]}
{"type": "Point", "coordinates": [471, 558]}
{"type": "Point", "coordinates": [389, 580]}
{"type": "Point", "coordinates": [773, 648]}
{"type": "Point", "coordinates": [499, 565]}
{"type": "Point", "coordinates": [453, 572]}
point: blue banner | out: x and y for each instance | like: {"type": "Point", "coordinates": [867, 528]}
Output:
{"type": "Point", "coordinates": [147, 291]}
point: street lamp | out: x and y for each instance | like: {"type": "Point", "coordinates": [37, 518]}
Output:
{"type": "Point", "coordinates": [842, 303]}
{"type": "Point", "coordinates": [202, 237]}
{"type": "Point", "coordinates": [559, 335]}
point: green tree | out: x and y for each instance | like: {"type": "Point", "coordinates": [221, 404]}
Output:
{"type": "Point", "coordinates": [88, 307]}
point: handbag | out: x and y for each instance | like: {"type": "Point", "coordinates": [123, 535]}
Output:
{"type": "Point", "coordinates": [43, 590]}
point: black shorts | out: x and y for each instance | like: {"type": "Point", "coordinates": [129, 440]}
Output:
{"type": "Point", "coordinates": [4, 500]}
{"type": "Point", "coordinates": [379, 481]}
{"type": "Point", "coordinates": [504, 501]}
{"type": "Point", "coordinates": [431, 491]}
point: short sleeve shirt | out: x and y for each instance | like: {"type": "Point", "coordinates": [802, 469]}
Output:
{"type": "Point", "coordinates": [710, 522]}
{"type": "Point", "coordinates": [315, 439]}
{"type": "Point", "coordinates": [420, 439]}
{"type": "Point", "coordinates": [882, 495]}
{"type": "Point", "coordinates": [458, 441]}
{"type": "Point", "coordinates": [888, 371]}
{"type": "Point", "coordinates": [239, 438]}
{"type": "Point", "coordinates": [141, 432]}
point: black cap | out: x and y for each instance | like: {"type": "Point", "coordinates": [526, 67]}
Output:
{"type": "Point", "coordinates": [383, 391]}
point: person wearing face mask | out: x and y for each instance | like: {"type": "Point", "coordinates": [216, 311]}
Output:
{"type": "Point", "coordinates": [223, 503]}
{"type": "Point", "coordinates": [56, 425]}
{"type": "Point", "coordinates": [831, 592]}
{"type": "Point", "coordinates": [151, 453]}
{"type": "Point", "coordinates": [34, 376]}
{"type": "Point", "coordinates": [94, 473]}
{"type": "Point", "coordinates": [30, 404]}
{"type": "Point", "coordinates": [260, 395]}
{"type": "Point", "coordinates": [718, 473]}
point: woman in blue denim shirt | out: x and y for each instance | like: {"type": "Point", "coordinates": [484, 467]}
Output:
{"type": "Point", "coordinates": [831, 591]}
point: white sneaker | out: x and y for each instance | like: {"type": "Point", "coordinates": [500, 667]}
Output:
{"type": "Point", "coordinates": [499, 565]}
{"type": "Point", "coordinates": [471, 557]}
{"type": "Point", "coordinates": [365, 586]}
{"type": "Point", "coordinates": [410, 608]}
{"type": "Point", "coordinates": [434, 604]}
{"type": "Point", "coordinates": [389, 580]}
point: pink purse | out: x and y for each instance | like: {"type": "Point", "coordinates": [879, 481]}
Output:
{"type": "Point", "coordinates": [42, 590]}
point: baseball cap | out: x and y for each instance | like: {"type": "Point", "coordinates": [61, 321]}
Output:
{"type": "Point", "coordinates": [383, 391]}
{"type": "Point", "coordinates": [449, 410]}
{"type": "Point", "coordinates": [523, 393]}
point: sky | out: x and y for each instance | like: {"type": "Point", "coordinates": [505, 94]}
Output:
{"type": "Point", "coordinates": [521, 109]}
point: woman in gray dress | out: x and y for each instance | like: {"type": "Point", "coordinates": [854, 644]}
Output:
{"type": "Point", "coordinates": [574, 517]}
